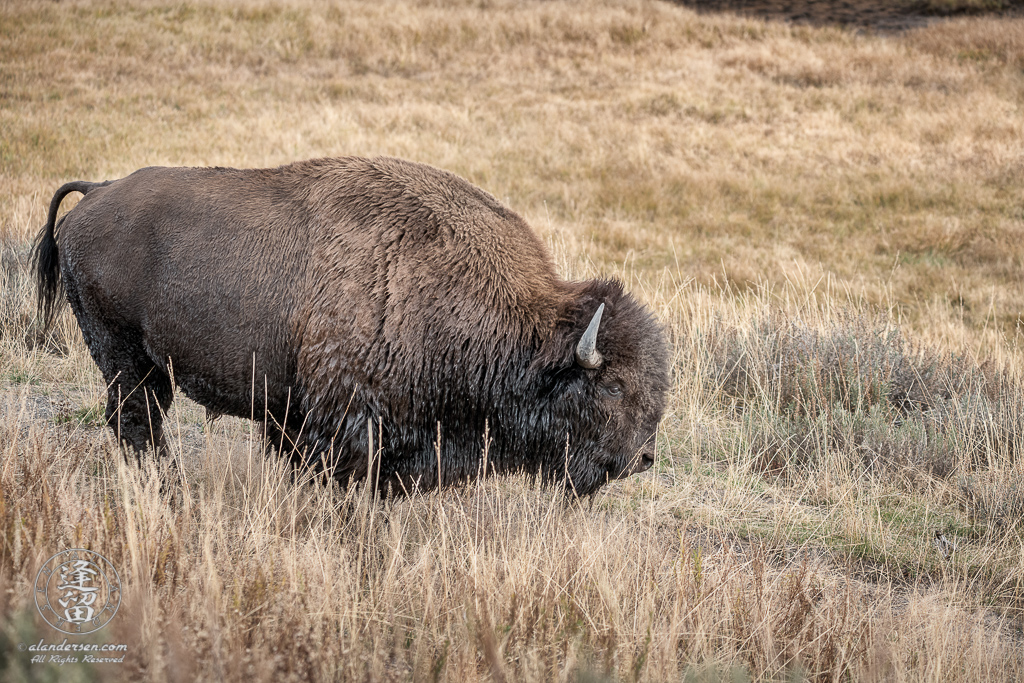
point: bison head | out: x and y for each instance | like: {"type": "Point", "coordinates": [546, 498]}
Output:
{"type": "Point", "coordinates": [603, 378]}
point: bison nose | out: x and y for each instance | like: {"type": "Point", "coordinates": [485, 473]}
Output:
{"type": "Point", "coordinates": [641, 462]}
{"type": "Point", "coordinates": [646, 461]}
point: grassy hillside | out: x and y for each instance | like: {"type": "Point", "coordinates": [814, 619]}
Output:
{"type": "Point", "coordinates": [830, 224]}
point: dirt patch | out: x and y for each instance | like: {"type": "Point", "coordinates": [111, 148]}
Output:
{"type": "Point", "coordinates": [874, 15]}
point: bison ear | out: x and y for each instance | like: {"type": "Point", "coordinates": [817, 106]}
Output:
{"type": "Point", "coordinates": [587, 354]}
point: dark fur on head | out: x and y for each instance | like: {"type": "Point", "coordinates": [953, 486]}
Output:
{"type": "Point", "coordinates": [610, 413]}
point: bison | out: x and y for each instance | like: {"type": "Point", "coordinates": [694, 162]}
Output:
{"type": "Point", "coordinates": [356, 305]}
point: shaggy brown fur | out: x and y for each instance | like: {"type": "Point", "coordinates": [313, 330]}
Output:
{"type": "Point", "coordinates": [337, 294]}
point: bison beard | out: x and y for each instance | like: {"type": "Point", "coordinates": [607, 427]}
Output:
{"type": "Point", "coordinates": [345, 296]}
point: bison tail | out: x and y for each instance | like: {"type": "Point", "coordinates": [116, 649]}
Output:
{"type": "Point", "coordinates": [44, 254]}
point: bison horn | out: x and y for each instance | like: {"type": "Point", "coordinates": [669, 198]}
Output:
{"type": "Point", "coordinates": [587, 354]}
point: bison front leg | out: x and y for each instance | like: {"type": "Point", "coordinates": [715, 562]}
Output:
{"type": "Point", "coordinates": [286, 436]}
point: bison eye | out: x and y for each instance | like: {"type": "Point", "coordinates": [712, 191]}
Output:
{"type": "Point", "coordinates": [612, 390]}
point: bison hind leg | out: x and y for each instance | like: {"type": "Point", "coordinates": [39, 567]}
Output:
{"type": "Point", "coordinates": [139, 392]}
{"type": "Point", "coordinates": [138, 395]}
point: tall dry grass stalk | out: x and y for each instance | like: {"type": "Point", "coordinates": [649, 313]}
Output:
{"type": "Point", "coordinates": [828, 224]}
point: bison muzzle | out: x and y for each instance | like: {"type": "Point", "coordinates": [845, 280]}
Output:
{"type": "Point", "coordinates": [356, 305]}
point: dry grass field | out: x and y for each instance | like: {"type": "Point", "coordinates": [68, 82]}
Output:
{"type": "Point", "coordinates": [830, 224]}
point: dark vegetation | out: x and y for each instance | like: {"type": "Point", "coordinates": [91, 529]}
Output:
{"type": "Point", "coordinates": [857, 388]}
{"type": "Point", "coordinates": [896, 15]}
